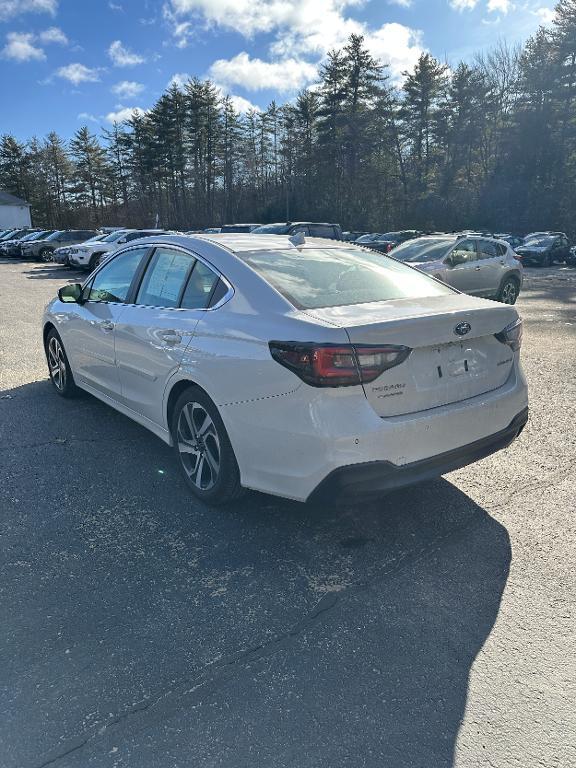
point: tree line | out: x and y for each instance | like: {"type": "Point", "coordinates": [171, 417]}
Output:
{"type": "Point", "coordinates": [486, 144]}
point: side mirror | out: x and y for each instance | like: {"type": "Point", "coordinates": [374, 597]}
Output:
{"type": "Point", "coordinates": [122, 241]}
{"type": "Point", "coordinates": [71, 294]}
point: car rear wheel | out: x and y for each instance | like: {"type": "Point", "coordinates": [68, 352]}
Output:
{"type": "Point", "coordinates": [59, 367]}
{"type": "Point", "coordinates": [203, 449]}
{"type": "Point", "coordinates": [508, 291]}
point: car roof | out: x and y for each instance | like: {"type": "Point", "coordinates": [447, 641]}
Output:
{"type": "Point", "coordinates": [241, 242]}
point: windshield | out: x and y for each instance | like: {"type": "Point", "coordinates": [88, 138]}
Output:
{"type": "Point", "coordinates": [540, 241]}
{"type": "Point", "coordinates": [16, 235]}
{"type": "Point", "coordinates": [272, 229]}
{"type": "Point", "coordinates": [113, 236]}
{"type": "Point", "coordinates": [418, 251]}
{"type": "Point", "coordinates": [32, 236]}
{"type": "Point", "coordinates": [96, 239]}
{"type": "Point", "coordinates": [368, 238]}
{"type": "Point", "coordinates": [337, 277]}
{"type": "Point", "coordinates": [56, 235]}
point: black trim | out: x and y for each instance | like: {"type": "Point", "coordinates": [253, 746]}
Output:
{"type": "Point", "coordinates": [376, 477]}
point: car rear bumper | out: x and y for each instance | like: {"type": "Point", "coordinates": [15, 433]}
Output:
{"type": "Point", "coordinates": [291, 445]}
{"type": "Point", "coordinates": [376, 477]}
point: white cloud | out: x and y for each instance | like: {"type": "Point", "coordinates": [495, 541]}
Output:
{"type": "Point", "coordinates": [123, 113]}
{"type": "Point", "coordinates": [242, 105]}
{"type": "Point", "coordinates": [500, 6]}
{"type": "Point", "coordinates": [397, 45]}
{"type": "Point", "coordinates": [179, 79]}
{"type": "Point", "coordinates": [20, 47]}
{"type": "Point", "coordinates": [256, 74]}
{"type": "Point", "coordinates": [302, 30]}
{"type": "Point", "coordinates": [122, 56]}
{"type": "Point", "coordinates": [115, 7]}
{"type": "Point", "coordinates": [78, 73]}
{"type": "Point", "coordinates": [53, 35]}
{"type": "Point", "coordinates": [11, 8]}
{"type": "Point", "coordinates": [546, 15]}
{"type": "Point", "coordinates": [402, 3]}
{"type": "Point", "coordinates": [127, 89]}
{"type": "Point", "coordinates": [463, 5]}
{"type": "Point", "coordinates": [88, 116]}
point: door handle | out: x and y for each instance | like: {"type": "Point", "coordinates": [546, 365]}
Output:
{"type": "Point", "coordinates": [107, 325]}
{"type": "Point", "coordinates": [171, 337]}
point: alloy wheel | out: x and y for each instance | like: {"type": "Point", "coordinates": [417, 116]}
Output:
{"type": "Point", "coordinates": [57, 364]}
{"type": "Point", "coordinates": [509, 293]}
{"type": "Point", "coordinates": [198, 446]}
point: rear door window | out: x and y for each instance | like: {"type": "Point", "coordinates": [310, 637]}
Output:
{"type": "Point", "coordinates": [487, 250]}
{"type": "Point", "coordinates": [321, 230]}
{"type": "Point", "coordinates": [165, 277]}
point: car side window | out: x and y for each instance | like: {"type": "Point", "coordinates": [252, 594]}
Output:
{"type": "Point", "coordinates": [200, 287]}
{"type": "Point", "coordinates": [487, 250]}
{"type": "Point", "coordinates": [320, 230]}
{"type": "Point", "coordinates": [133, 236]}
{"type": "Point", "coordinates": [164, 278]}
{"type": "Point", "coordinates": [301, 228]}
{"type": "Point", "coordinates": [464, 252]}
{"type": "Point", "coordinates": [112, 283]}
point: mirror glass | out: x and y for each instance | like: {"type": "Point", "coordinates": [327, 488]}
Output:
{"type": "Point", "coordinates": [70, 293]}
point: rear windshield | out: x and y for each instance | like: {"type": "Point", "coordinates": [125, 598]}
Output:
{"type": "Point", "coordinates": [272, 229]}
{"type": "Point", "coordinates": [337, 277]}
{"type": "Point", "coordinates": [418, 251]}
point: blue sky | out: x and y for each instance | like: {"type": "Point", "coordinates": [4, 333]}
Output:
{"type": "Point", "coordinates": [65, 63]}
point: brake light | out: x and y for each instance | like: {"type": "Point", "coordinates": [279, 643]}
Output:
{"type": "Point", "coordinates": [511, 335]}
{"type": "Point", "coordinates": [337, 365]}
{"type": "Point", "coordinates": [389, 247]}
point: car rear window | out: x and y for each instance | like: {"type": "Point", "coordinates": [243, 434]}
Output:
{"type": "Point", "coordinates": [336, 277]}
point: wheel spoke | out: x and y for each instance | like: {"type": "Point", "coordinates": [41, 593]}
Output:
{"type": "Point", "coordinates": [185, 446]}
{"type": "Point", "coordinates": [213, 463]}
{"type": "Point", "coordinates": [197, 474]}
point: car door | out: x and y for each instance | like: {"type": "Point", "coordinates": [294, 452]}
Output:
{"type": "Point", "coordinates": [463, 269]}
{"type": "Point", "coordinates": [154, 331]}
{"type": "Point", "coordinates": [492, 262]}
{"type": "Point", "coordinates": [89, 334]}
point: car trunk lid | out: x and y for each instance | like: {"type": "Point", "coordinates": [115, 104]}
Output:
{"type": "Point", "coordinates": [443, 367]}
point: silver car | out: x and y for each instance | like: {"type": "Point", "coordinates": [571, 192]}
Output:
{"type": "Point", "coordinates": [480, 266]}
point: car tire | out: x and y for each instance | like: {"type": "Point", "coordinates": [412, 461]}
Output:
{"type": "Point", "coordinates": [58, 366]}
{"type": "Point", "coordinates": [509, 290]}
{"type": "Point", "coordinates": [203, 450]}
{"type": "Point", "coordinates": [93, 263]}
{"type": "Point", "coordinates": [547, 260]}
{"type": "Point", "coordinates": [45, 255]}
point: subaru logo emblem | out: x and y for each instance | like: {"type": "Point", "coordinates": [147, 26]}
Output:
{"type": "Point", "coordinates": [462, 329]}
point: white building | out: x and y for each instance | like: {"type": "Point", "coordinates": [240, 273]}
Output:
{"type": "Point", "coordinates": [14, 212]}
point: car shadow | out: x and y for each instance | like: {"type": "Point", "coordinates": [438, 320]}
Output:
{"type": "Point", "coordinates": [266, 633]}
{"type": "Point", "coordinates": [54, 271]}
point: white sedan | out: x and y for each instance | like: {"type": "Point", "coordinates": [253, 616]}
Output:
{"type": "Point", "coordinates": [290, 367]}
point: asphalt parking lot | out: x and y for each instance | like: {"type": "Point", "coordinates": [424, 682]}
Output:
{"type": "Point", "coordinates": [432, 628]}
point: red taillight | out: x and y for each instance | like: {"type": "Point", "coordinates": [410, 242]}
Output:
{"type": "Point", "coordinates": [389, 247]}
{"type": "Point", "coordinates": [346, 365]}
{"type": "Point", "coordinates": [517, 256]}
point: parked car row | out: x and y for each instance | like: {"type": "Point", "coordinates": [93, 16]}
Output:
{"type": "Point", "coordinates": [536, 248]}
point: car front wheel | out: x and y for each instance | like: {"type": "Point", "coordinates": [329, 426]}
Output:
{"type": "Point", "coordinates": [46, 255]}
{"type": "Point", "coordinates": [203, 449]}
{"type": "Point", "coordinates": [59, 367]}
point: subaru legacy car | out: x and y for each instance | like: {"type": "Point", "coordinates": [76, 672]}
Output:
{"type": "Point", "coordinates": [480, 266]}
{"type": "Point", "coordinates": [294, 368]}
